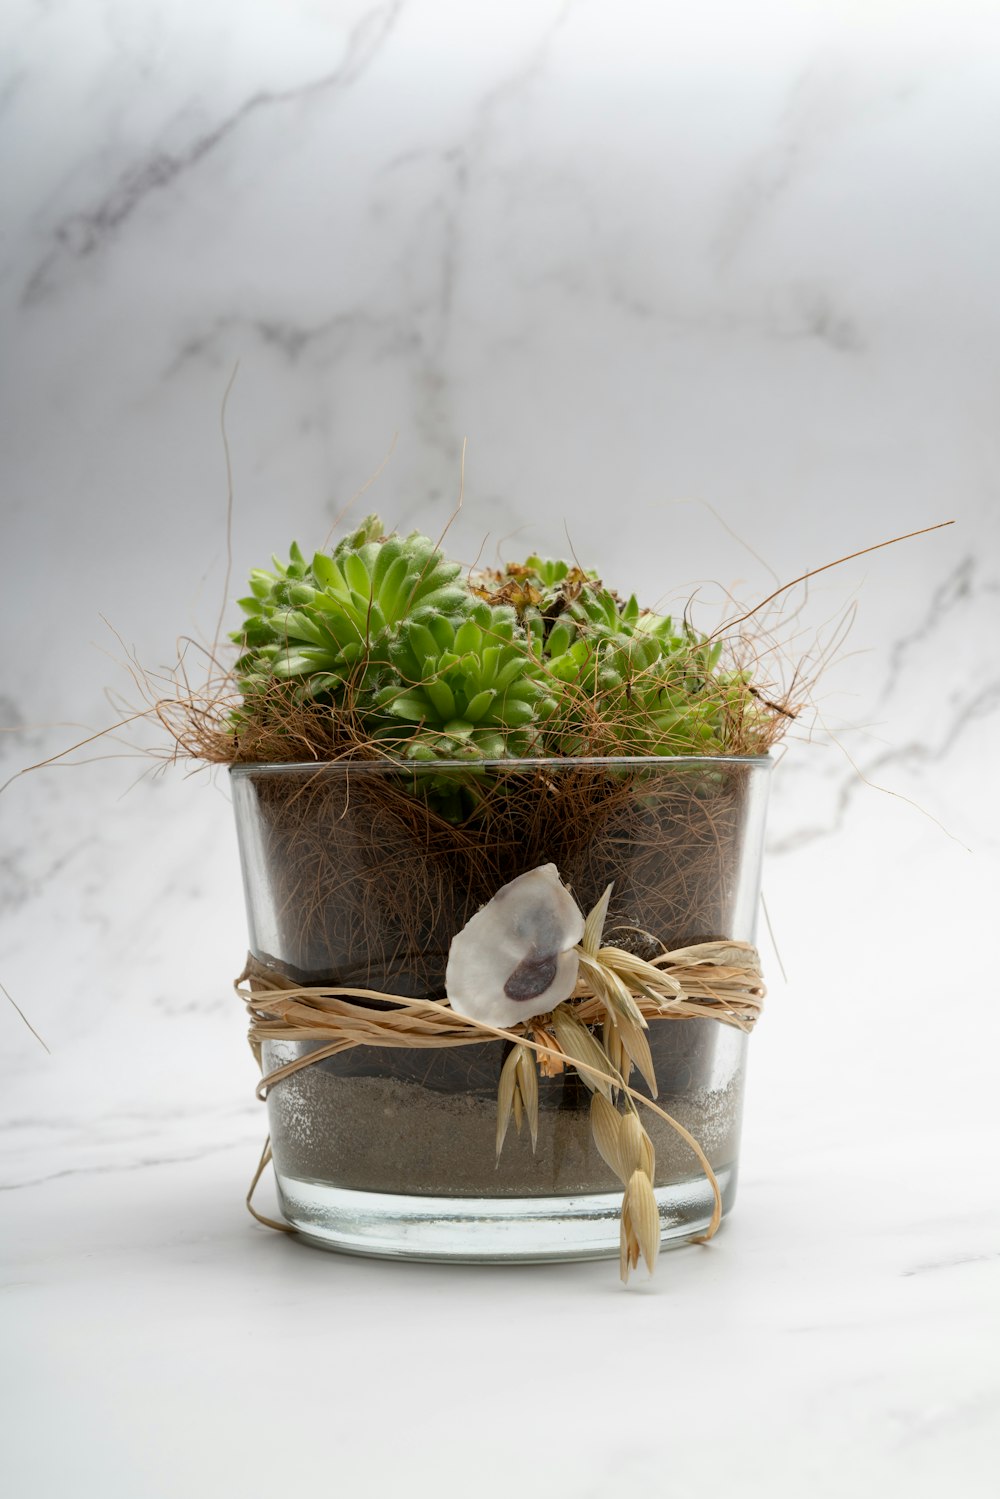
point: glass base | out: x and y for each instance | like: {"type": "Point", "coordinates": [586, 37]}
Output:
{"type": "Point", "coordinates": [484, 1230]}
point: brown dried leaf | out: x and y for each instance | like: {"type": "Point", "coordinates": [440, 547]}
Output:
{"type": "Point", "coordinates": [594, 924]}
{"type": "Point", "coordinates": [636, 1046]}
{"type": "Point", "coordinates": [548, 1064]}
{"type": "Point", "coordinates": [719, 954]}
{"type": "Point", "coordinates": [662, 1001]}
{"type": "Point", "coordinates": [594, 972]}
{"type": "Point", "coordinates": [619, 998]}
{"type": "Point", "coordinates": [581, 1046]}
{"type": "Point", "coordinates": [630, 1153]}
{"type": "Point", "coordinates": [646, 977]}
{"type": "Point", "coordinates": [621, 1062]}
{"type": "Point", "coordinates": [605, 1122]}
{"type": "Point", "coordinates": [628, 964]}
{"type": "Point", "coordinates": [648, 1157]}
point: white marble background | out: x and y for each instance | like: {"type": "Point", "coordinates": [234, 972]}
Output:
{"type": "Point", "coordinates": [713, 290]}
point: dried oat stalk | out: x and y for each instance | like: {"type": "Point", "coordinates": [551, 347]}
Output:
{"type": "Point", "coordinates": [620, 1137]}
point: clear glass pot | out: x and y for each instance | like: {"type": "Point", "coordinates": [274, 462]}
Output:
{"type": "Point", "coordinates": [360, 874]}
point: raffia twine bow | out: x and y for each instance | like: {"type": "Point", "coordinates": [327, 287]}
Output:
{"type": "Point", "coordinates": [719, 980]}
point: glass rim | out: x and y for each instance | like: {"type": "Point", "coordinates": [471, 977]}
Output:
{"type": "Point", "coordinates": [530, 762]}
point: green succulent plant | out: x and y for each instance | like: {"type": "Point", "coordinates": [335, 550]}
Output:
{"type": "Point", "coordinates": [469, 689]}
{"type": "Point", "coordinates": [653, 687]}
{"type": "Point", "coordinates": [328, 621]}
{"type": "Point", "coordinates": [539, 659]}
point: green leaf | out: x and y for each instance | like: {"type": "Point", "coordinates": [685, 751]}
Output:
{"type": "Point", "coordinates": [423, 646]}
{"type": "Point", "coordinates": [478, 706]}
{"type": "Point", "coordinates": [387, 553]}
{"type": "Point", "coordinates": [442, 629]}
{"type": "Point", "coordinates": [491, 746]}
{"type": "Point", "coordinates": [358, 605]}
{"type": "Point", "coordinates": [565, 668]}
{"type": "Point", "coordinates": [256, 632]}
{"type": "Point", "coordinates": [491, 658]}
{"type": "Point", "coordinates": [511, 673]}
{"type": "Point", "coordinates": [420, 751]}
{"type": "Point", "coordinates": [358, 578]}
{"type": "Point", "coordinates": [393, 590]}
{"type": "Point", "coordinates": [468, 637]}
{"type": "Point", "coordinates": [325, 603]}
{"type": "Point", "coordinates": [298, 626]}
{"type": "Point", "coordinates": [376, 622]}
{"type": "Point", "coordinates": [516, 713]}
{"type": "Point", "coordinates": [293, 664]}
{"type": "Point", "coordinates": [326, 572]}
{"type": "Point", "coordinates": [317, 686]}
{"type": "Point", "coordinates": [459, 728]}
{"type": "Point", "coordinates": [408, 706]}
{"type": "Point", "coordinates": [442, 697]}
{"type": "Point", "coordinates": [560, 638]}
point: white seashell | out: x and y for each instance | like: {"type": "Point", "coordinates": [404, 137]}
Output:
{"type": "Point", "coordinates": [517, 956]}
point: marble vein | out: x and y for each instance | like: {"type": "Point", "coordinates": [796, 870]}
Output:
{"type": "Point", "coordinates": [832, 96]}
{"type": "Point", "coordinates": [86, 233]}
{"type": "Point", "coordinates": [953, 1262]}
{"type": "Point", "coordinates": [980, 704]}
{"type": "Point", "coordinates": [114, 1168]}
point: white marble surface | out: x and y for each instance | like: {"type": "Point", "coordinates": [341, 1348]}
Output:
{"type": "Point", "coordinates": [712, 288]}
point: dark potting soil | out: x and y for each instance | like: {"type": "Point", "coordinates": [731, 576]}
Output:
{"type": "Point", "coordinates": [366, 886]}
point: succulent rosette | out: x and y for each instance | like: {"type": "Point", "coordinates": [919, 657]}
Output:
{"type": "Point", "coordinates": [465, 688]}
{"type": "Point", "coordinates": [328, 621]}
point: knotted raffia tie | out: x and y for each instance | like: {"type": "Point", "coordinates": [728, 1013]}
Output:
{"type": "Point", "coordinates": [718, 980]}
